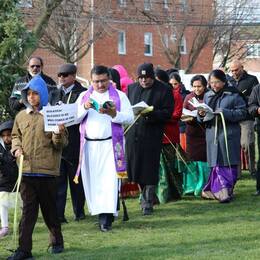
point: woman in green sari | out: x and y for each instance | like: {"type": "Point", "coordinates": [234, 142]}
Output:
{"type": "Point", "coordinates": [170, 178]}
{"type": "Point", "coordinates": [197, 172]}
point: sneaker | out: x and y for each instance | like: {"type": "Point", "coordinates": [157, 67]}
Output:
{"type": "Point", "coordinates": [147, 211]}
{"type": "Point", "coordinates": [20, 255]}
{"type": "Point", "coordinates": [57, 249]}
{"type": "Point", "coordinates": [4, 232]}
{"type": "Point", "coordinates": [105, 228]}
{"type": "Point", "coordinates": [257, 193]}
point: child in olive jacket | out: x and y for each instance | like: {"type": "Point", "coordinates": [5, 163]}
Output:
{"type": "Point", "coordinates": [42, 155]}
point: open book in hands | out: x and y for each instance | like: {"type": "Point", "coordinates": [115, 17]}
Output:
{"type": "Point", "coordinates": [142, 108]}
{"type": "Point", "coordinates": [200, 106]}
{"type": "Point", "coordinates": [188, 115]}
{"type": "Point", "coordinates": [97, 106]}
{"type": "Point", "coordinates": [204, 107]}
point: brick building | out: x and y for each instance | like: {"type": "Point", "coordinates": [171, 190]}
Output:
{"type": "Point", "coordinates": [132, 36]}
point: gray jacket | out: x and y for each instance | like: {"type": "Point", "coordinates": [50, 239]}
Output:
{"type": "Point", "coordinates": [234, 110]}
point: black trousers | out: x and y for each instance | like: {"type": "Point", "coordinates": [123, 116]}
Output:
{"type": "Point", "coordinates": [258, 163]}
{"type": "Point", "coordinates": [148, 196]}
{"type": "Point", "coordinates": [106, 219]}
{"type": "Point", "coordinates": [67, 173]}
{"type": "Point", "coordinates": [38, 192]}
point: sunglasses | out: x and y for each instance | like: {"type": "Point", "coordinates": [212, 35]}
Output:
{"type": "Point", "coordinates": [35, 66]}
{"type": "Point", "coordinates": [64, 75]}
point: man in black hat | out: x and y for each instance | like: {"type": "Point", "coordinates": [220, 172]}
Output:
{"type": "Point", "coordinates": [35, 66]}
{"type": "Point", "coordinates": [144, 139]}
{"type": "Point", "coordinates": [69, 90]}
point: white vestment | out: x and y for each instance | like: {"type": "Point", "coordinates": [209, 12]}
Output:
{"type": "Point", "coordinates": [98, 169]}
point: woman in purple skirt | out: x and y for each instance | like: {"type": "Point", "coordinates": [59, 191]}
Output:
{"type": "Point", "coordinates": [226, 108]}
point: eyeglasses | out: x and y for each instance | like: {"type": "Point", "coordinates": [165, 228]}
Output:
{"type": "Point", "coordinates": [215, 82]}
{"type": "Point", "coordinates": [102, 81]}
{"type": "Point", "coordinates": [64, 75]}
{"type": "Point", "coordinates": [35, 66]}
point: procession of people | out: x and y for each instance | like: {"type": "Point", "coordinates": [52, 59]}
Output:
{"type": "Point", "coordinates": [175, 144]}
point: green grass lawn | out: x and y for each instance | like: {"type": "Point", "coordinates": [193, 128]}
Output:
{"type": "Point", "coordinates": [191, 228]}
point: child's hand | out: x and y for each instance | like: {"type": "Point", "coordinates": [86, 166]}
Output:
{"type": "Point", "coordinates": [18, 152]}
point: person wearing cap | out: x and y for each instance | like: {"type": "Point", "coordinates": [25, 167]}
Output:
{"type": "Point", "coordinates": [35, 67]}
{"type": "Point", "coordinates": [42, 155]}
{"type": "Point", "coordinates": [144, 139]}
{"type": "Point", "coordinates": [8, 175]}
{"type": "Point", "coordinates": [69, 91]}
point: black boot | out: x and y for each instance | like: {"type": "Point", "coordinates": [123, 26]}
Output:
{"type": "Point", "coordinates": [20, 255]}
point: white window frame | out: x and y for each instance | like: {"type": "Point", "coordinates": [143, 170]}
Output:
{"type": "Point", "coordinates": [121, 3]}
{"type": "Point", "coordinates": [183, 5]}
{"type": "Point", "coordinates": [25, 3]}
{"type": "Point", "coordinates": [147, 5]}
{"type": "Point", "coordinates": [165, 4]}
{"type": "Point", "coordinates": [183, 46]}
{"type": "Point", "coordinates": [253, 50]}
{"type": "Point", "coordinates": [121, 42]}
{"type": "Point", "coordinates": [148, 41]}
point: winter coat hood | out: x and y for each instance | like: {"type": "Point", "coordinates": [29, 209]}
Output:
{"type": "Point", "coordinates": [38, 85]}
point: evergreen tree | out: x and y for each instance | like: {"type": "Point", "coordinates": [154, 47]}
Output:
{"type": "Point", "coordinates": [15, 38]}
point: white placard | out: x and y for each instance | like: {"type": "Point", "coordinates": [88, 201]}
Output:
{"type": "Point", "coordinates": [62, 114]}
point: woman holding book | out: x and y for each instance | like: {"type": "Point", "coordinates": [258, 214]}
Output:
{"type": "Point", "coordinates": [197, 172]}
{"type": "Point", "coordinates": [222, 136]}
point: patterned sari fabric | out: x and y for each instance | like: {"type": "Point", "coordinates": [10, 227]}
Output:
{"type": "Point", "coordinates": [221, 183]}
{"type": "Point", "coordinates": [195, 176]}
{"type": "Point", "coordinates": [170, 179]}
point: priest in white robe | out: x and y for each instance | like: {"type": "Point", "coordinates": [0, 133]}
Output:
{"type": "Point", "coordinates": [102, 159]}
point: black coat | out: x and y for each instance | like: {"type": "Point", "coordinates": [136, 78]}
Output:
{"type": "Point", "coordinates": [14, 103]}
{"type": "Point", "coordinates": [254, 104]}
{"type": "Point", "coordinates": [254, 101]}
{"type": "Point", "coordinates": [8, 170]}
{"type": "Point", "coordinates": [144, 139]}
{"type": "Point", "coordinates": [71, 151]}
{"type": "Point", "coordinates": [245, 84]}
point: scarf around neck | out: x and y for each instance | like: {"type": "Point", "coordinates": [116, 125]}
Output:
{"type": "Point", "coordinates": [117, 135]}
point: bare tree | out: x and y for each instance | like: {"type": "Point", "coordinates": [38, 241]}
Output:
{"type": "Point", "coordinates": [70, 31]}
{"type": "Point", "coordinates": [45, 9]}
{"type": "Point", "coordinates": [194, 18]}
{"type": "Point", "coordinates": [233, 29]}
